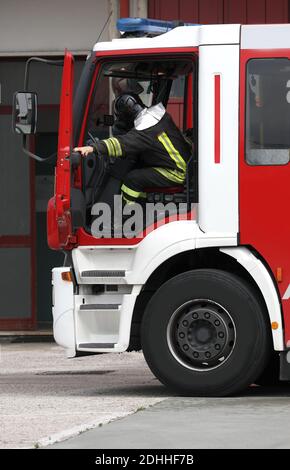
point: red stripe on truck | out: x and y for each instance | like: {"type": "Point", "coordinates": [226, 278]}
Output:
{"type": "Point", "coordinates": [217, 119]}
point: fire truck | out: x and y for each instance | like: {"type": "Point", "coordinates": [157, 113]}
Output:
{"type": "Point", "coordinates": [207, 296]}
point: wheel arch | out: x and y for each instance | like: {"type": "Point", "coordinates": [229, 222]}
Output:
{"type": "Point", "coordinates": [237, 260]}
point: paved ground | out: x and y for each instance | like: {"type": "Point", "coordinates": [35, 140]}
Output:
{"type": "Point", "coordinates": [254, 421]}
{"type": "Point", "coordinates": [45, 398]}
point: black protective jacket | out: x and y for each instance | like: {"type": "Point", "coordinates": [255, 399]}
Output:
{"type": "Point", "coordinates": [160, 146]}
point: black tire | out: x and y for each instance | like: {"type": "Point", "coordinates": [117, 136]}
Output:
{"type": "Point", "coordinates": [135, 339]}
{"type": "Point", "coordinates": [270, 375]}
{"type": "Point", "coordinates": [228, 301]}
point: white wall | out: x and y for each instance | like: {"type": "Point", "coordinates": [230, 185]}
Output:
{"type": "Point", "coordinates": [50, 26]}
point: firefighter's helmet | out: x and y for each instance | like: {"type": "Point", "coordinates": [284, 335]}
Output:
{"type": "Point", "coordinates": [127, 106]}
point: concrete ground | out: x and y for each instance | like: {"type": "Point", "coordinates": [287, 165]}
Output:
{"type": "Point", "coordinates": [113, 401]}
{"type": "Point", "coordinates": [45, 397]}
{"type": "Point", "coordinates": [255, 421]}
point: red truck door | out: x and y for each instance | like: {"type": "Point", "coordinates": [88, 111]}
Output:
{"type": "Point", "coordinates": [265, 163]}
{"type": "Point", "coordinates": [59, 226]}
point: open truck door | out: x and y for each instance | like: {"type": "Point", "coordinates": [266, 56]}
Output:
{"type": "Point", "coordinates": [59, 220]}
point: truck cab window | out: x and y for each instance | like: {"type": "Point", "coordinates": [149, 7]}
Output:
{"type": "Point", "coordinates": [153, 81]}
{"type": "Point", "coordinates": [268, 112]}
{"type": "Point", "coordinates": [177, 98]}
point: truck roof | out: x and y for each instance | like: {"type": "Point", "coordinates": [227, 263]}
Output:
{"type": "Point", "coordinates": [182, 36]}
{"type": "Point", "coordinates": [276, 36]}
{"type": "Point", "coordinates": [265, 36]}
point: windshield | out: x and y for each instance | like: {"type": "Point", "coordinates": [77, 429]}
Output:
{"type": "Point", "coordinates": [154, 82]}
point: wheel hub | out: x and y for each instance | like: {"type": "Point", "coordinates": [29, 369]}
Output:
{"type": "Point", "coordinates": [202, 334]}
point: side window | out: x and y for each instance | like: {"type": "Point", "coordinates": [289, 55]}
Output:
{"type": "Point", "coordinates": [175, 105]}
{"type": "Point", "coordinates": [99, 107]}
{"type": "Point", "coordinates": [268, 112]}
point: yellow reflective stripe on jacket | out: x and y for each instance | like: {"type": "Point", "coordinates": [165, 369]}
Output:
{"type": "Point", "coordinates": [117, 146]}
{"type": "Point", "coordinates": [128, 201]}
{"type": "Point", "coordinates": [113, 146]}
{"type": "Point", "coordinates": [172, 151]}
{"type": "Point", "coordinates": [171, 175]}
{"type": "Point", "coordinates": [131, 192]}
{"type": "Point", "coordinates": [110, 147]}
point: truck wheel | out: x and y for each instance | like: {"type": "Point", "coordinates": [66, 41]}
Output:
{"type": "Point", "coordinates": [270, 375]}
{"type": "Point", "coordinates": [204, 333]}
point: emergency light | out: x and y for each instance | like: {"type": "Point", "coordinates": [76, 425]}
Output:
{"type": "Point", "coordinates": [144, 26]}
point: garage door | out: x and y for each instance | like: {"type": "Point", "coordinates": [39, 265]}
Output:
{"type": "Point", "coordinates": [17, 247]}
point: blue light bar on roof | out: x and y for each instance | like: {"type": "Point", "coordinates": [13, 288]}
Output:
{"type": "Point", "coordinates": [147, 25]}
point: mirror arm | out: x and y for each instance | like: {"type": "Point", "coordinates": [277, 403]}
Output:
{"type": "Point", "coordinates": [37, 59]}
{"type": "Point", "coordinates": [32, 155]}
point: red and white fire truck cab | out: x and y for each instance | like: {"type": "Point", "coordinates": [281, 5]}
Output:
{"type": "Point", "coordinates": [207, 295]}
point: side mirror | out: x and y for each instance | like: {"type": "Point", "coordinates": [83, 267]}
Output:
{"type": "Point", "coordinates": [24, 113]}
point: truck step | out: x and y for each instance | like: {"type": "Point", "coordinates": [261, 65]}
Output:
{"type": "Point", "coordinates": [100, 307]}
{"type": "Point", "coordinates": [102, 273]}
{"type": "Point", "coordinates": [97, 345]}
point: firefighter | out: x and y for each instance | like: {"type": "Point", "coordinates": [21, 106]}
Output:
{"type": "Point", "coordinates": [161, 150]}
{"type": "Point", "coordinates": [121, 86]}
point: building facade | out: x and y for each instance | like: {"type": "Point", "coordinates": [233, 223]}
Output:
{"type": "Point", "coordinates": [46, 29]}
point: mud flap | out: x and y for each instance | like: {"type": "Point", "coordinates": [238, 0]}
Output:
{"type": "Point", "coordinates": [285, 365]}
